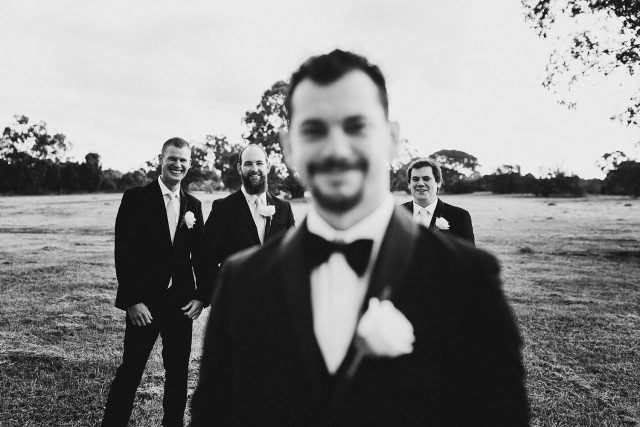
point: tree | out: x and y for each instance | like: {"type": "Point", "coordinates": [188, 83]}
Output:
{"type": "Point", "coordinates": [458, 170]}
{"type": "Point", "coordinates": [456, 160]}
{"type": "Point", "coordinates": [624, 179]}
{"type": "Point", "coordinates": [33, 139]}
{"type": "Point", "coordinates": [611, 161]}
{"type": "Point", "coordinates": [263, 126]}
{"type": "Point", "coordinates": [399, 165]}
{"type": "Point", "coordinates": [225, 158]}
{"type": "Point", "coordinates": [614, 48]}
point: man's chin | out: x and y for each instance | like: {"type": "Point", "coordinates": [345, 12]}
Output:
{"type": "Point", "coordinates": [338, 203]}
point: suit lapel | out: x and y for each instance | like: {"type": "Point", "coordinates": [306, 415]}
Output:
{"type": "Point", "coordinates": [180, 226]}
{"type": "Point", "coordinates": [437, 212]}
{"type": "Point", "coordinates": [297, 290]}
{"type": "Point", "coordinates": [243, 207]}
{"type": "Point", "coordinates": [267, 228]}
{"type": "Point", "coordinates": [157, 201]}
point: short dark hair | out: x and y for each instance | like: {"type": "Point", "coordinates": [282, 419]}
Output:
{"type": "Point", "coordinates": [326, 69]}
{"type": "Point", "coordinates": [175, 142]}
{"type": "Point", "coordinates": [425, 162]}
{"type": "Point", "coordinates": [253, 144]}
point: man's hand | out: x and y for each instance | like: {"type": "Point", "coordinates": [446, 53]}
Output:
{"type": "Point", "coordinates": [193, 309]}
{"type": "Point", "coordinates": [139, 314]}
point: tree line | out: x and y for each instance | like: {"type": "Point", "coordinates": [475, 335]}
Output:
{"type": "Point", "coordinates": [32, 161]}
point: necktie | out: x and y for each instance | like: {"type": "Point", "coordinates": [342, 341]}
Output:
{"type": "Point", "coordinates": [357, 253]}
{"type": "Point", "coordinates": [423, 217]}
{"type": "Point", "coordinates": [172, 215]}
{"type": "Point", "coordinates": [259, 219]}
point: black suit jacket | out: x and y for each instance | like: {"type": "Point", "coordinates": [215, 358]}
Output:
{"type": "Point", "coordinates": [230, 229]}
{"type": "Point", "coordinates": [145, 257]}
{"type": "Point", "coordinates": [458, 218]}
{"type": "Point", "coordinates": [261, 364]}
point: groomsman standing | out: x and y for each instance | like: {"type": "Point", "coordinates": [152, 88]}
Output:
{"type": "Point", "coordinates": [158, 246]}
{"type": "Point", "coordinates": [249, 217]}
{"type": "Point", "coordinates": [424, 178]}
{"type": "Point", "coordinates": [359, 317]}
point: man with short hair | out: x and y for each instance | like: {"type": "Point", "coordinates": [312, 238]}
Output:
{"type": "Point", "coordinates": [158, 247]}
{"type": "Point", "coordinates": [424, 178]}
{"type": "Point", "coordinates": [250, 216]}
{"type": "Point", "coordinates": [359, 316]}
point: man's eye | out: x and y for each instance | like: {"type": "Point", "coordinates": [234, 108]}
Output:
{"type": "Point", "coordinates": [314, 131]}
{"type": "Point", "coordinates": [353, 127]}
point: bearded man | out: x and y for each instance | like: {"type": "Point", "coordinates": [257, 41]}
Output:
{"type": "Point", "coordinates": [249, 217]}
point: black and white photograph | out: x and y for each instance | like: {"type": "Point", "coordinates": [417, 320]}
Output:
{"type": "Point", "coordinates": [320, 214]}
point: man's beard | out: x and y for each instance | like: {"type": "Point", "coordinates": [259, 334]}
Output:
{"type": "Point", "coordinates": [337, 204]}
{"type": "Point", "coordinates": [257, 188]}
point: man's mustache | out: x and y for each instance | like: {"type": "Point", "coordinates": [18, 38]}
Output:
{"type": "Point", "coordinates": [335, 164]}
{"type": "Point", "coordinates": [253, 173]}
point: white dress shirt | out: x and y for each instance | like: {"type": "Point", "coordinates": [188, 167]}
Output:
{"type": "Point", "coordinates": [337, 293]}
{"type": "Point", "coordinates": [259, 220]}
{"type": "Point", "coordinates": [423, 215]}
{"type": "Point", "coordinates": [173, 212]}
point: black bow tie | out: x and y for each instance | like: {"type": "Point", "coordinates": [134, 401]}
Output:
{"type": "Point", "coordinates": [357, 253]}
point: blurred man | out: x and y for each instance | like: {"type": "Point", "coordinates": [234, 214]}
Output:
{"type": "Point", "coordinates": [424, 178]}
{"type": "Point", "coordinates": [248, 217]}
{"type": "Point", "coordinates": [288, 344]}
{"type": "Point", "coordinates": [158, 246]}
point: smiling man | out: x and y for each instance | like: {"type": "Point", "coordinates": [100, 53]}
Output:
{"type": "Point", "coordinates": [359, 316]}
{"type": "Point", "coordinates": [250, 216]}
{"type": "Point", "coordinates": [424, 178]}
{"type": "Point", "coordinates": [158, 247]}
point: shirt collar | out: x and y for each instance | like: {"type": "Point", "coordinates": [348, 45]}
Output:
{"type": "Point", "coordinates": [252, 197]}
{"type": "Point", "coordinates": [165, 190]}
{"type": "Point", "coordinates": [430, 208]}
{"type": "Point", "coordinates": [372, 226]}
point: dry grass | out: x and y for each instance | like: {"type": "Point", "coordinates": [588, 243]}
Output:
{"type": "Point", "coordinates": [571, 272]}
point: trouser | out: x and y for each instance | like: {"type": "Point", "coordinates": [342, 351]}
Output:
{"type": "Point", "coordinates": [175, 330]}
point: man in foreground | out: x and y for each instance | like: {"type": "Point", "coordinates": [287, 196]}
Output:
{"type": "Point", "coordinates": [248, 217]}
{"type": "Point", "coordinates": [424, 178]}
{"type": "Point", "coordinates": [288, 344]}
{"type": "Point", "coordinates": [158, 245]}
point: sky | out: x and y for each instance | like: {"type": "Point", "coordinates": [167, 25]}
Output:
{"type": "Point", "coordinates": [120, 77]}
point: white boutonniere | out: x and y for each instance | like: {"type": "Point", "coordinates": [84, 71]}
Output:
{"type": "Point", "coordinates": [267, 210]}
{"type": "Point", "coordinates": [189, 219]}
{"type": "Point", "coordinates": [442, 223]}
{"type": "Point", "coordinates": [383, 331]}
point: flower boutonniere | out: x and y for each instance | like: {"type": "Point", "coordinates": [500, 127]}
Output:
{"type": "Point", "coordinates": [189, 219]}
{"type": "Point", "coordinates": [442, 223]}
{"type": "Point", "coordinates": [267, 210]}
{"type": "Point", "coordinates": [383, 331]}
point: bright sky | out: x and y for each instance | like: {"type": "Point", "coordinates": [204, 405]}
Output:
{"type": "Point", "coordinates": [120, 77]}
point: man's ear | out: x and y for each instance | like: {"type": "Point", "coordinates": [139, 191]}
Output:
{"type": "Point", "coordinates": [394, 128]}
{"type": "Point", "coordinates": [239, 168]}
{"type": "Point", "coordinates": [285, 144]}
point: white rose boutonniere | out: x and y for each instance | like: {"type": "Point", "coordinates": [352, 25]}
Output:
{"type": "Point", "coordinates": [267, 210]}
{"type": "Point", "coordinates": [383, 330]}
{"type": "Point", "coordinates": [442, 223]}
{"type": "Point", "coordinates": [189, 219]}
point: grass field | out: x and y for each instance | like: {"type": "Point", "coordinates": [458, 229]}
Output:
{"type": "Point", "coordinates": [571, 269]}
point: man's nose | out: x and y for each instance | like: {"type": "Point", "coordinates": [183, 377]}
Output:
{"type": "Point", "coordinates": [338, 144]}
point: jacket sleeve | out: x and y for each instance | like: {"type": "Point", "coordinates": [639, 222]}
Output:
{"type": "Point", "coordinates": [466, 228]}
{"type": "Point", "coordinates": [291, 220]}
{"type": "Point", "coordinates": [127, 250]}
{"type": "Point", "coordinates": [491, 374]}
{"type": "Point", "coordinates": [211, 403]}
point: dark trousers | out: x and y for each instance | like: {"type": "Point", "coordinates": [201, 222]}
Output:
{"type": "Point", "coordinates": [175, 329]}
